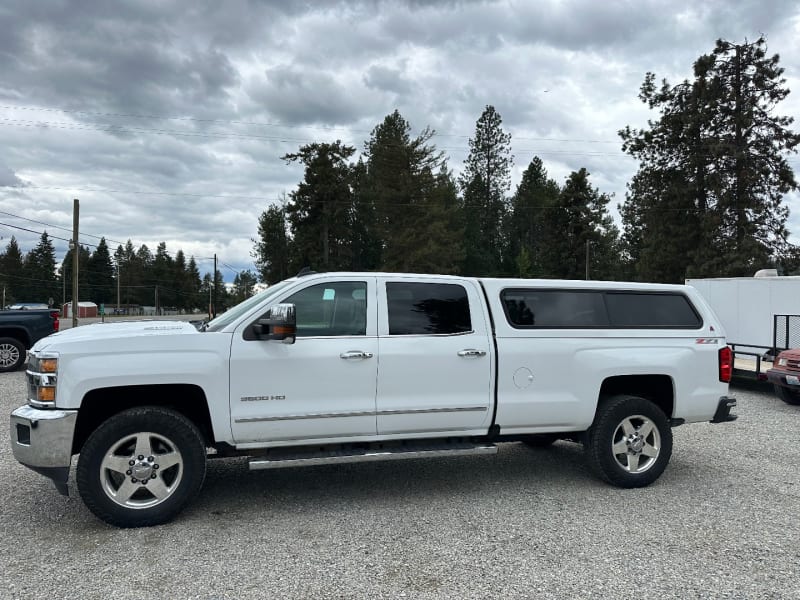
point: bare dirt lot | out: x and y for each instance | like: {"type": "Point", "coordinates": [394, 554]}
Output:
{"type": "Point", "coordinates": [722, 522]}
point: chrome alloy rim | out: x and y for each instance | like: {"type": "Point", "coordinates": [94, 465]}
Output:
{"type": "Point", "coordinates": [9, 355]}
{"type": "Point", "coordinates": [636, 444]}
{"type": "Point", "coordinates": [141, 470]}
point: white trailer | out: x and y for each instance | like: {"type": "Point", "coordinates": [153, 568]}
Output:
{"type": "Point", "coordinates": [746, 306]}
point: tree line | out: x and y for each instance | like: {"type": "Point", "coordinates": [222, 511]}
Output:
{"type": "Point", "coordinates": [399, 208]}
{"type": "Point", "coordinates": [132, 277]}
{"type": "Point", "coordinates": [706, 201]}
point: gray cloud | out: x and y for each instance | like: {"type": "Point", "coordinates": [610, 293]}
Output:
{"type": "Point", "coordinates": [200, 99]}
{"type": "Point", "coordinates": [7, 176]}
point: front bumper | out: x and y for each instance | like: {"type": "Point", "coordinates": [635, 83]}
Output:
{"type": "Point", "coordinates": [779, 377]}
{"type": "Point", "coordinates": [42, 440]}
{"type": "Point", "coordinates": [723, 414]}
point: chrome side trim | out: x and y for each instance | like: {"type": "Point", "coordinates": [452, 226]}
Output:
{"type": "Point", "coordinates": [431, 430]}
{"type": "Point", "coordinates": [368, 413]}
{"type": "Point", "coordinates": [423, 411]}
{"type": "Point", "coordinates": [365, 413]}
{"type": "Point", "coordinates": [256, 464]}
{"type": "Point", "coordinates": [256, 444]}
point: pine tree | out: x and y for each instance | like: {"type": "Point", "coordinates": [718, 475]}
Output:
{"type": "Point", "coordinates": [318, 209]}
{"type": "Point", "coordinates": [407, 183]}
{"type": "Point", "coordinates": [271, 249]}
{"type": "Point", "coordinates": [580, 217]}
{"type": "Point", "coordinates": [707, 200]}
{"type": "Point", "coordinates": [535, 196]}
{"type": "Point", "coordinates": [163, 277]}
{"type": "Point", "coordinates": [40, 272]}
{"type": "Point", "coordinates": [365, 240]}
{"type": "Point", "coordinates": [12, 276]}
{"type": "Point", "coordinates": [100, 275]}
{"type": "Point", "coordinates": [193, 284]}
{"type": "Point", "coordinates": [484, 183]}
{"type": "Point", "coordinates": [141, 268]}
{"type": "Point", "coordinates": [243, 284]}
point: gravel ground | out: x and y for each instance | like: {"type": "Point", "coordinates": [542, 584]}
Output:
{"type": "Point", "coordinates": [722, 522]}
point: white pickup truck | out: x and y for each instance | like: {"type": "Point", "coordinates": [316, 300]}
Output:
{"type": "Point", "coordinates": [345, 367]}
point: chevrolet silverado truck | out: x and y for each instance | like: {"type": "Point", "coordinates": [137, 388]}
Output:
{"type": "Point", "coordinates": [346, 367]}
{"type": "Point", "coordinates": [21, 329]}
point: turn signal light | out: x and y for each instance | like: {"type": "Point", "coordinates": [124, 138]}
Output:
{"type": "Point", "coordinates": [46, 394]}
{"type": "Point", "coordinates": [725, 364]}
{"type": "Point", "coordinates": [48, 365]}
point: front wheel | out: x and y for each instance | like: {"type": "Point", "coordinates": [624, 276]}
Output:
{"type": "Point", "coordinates": [12, 354]}
{"type": "Point", "coordinates": [787, 395]}
{"type": "Point", "coordinates": [630, 442]}
{"type": "Point", "coordinates": [141, 467]}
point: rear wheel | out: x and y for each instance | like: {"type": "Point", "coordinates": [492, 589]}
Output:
{"type": "Point", "coordinates": [12, 354]}
{"type": "Point", "coordinates": [141, 467]}
{"type": "Point", "coordinates": [630, 443]}
{"type": "Point", "coordinates": [788, 395]}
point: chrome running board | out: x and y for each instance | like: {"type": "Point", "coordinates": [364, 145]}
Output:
{"type": "Point", "coordinates": [310, 459]}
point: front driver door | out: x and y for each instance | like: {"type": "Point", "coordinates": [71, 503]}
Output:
{"type": "Point", "coordinates": [320, 387]}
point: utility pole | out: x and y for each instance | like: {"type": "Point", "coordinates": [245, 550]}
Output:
{"type": "Point", "coordinates": [157, 299]}
{"type": "Point", "coordinates": [75, 254]}
{"type": "Point", "coordinates": [118, 276]}
{"type": "Point", "coordinates": [214, 280]}
{"type": "Point", "coordinates": [587, 260]}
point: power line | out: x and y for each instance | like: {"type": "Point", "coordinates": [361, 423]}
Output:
{"type": "Point", "coordinates": [236, 136]}
{"type": "Point", "coordinates": [38, 232]}
{"type": "Point", "coordinates": [273, 124]}
{"type": "Point", "coordinates": [49, 225]}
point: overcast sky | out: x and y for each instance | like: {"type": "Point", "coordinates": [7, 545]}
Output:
{"type": "Point", "coordinates": [168, 119]}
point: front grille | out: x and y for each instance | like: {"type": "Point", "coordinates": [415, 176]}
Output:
{"type": "Point", "coordinates": [793, 364]}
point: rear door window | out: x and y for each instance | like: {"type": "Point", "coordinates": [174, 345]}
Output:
{"type": "Point", "coordinates": [427, 308]}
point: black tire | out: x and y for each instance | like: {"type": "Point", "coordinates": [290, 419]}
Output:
{"type": "Point", "coordinates": [12, 354]}
{"type": "Point", "coordinates": [640, 428]}
{"type": "Point", "coordinates": [540, 440]}
{"type": "Point", "coordinates": [789, 396]}
{"type": "Point", "coordinates": [145, 494]}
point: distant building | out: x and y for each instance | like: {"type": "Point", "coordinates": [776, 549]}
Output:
{"type": "Point", "coordinates": [85, 309]}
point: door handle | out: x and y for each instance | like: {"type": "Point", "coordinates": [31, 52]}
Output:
{"type": "Point", "coordinates": [354, 354]}
{"type": "Point", "coordinates": [469, 352]}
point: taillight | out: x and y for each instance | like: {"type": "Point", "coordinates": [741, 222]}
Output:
{"type": "Point", "coordinates": [725, 364]}
{"type": "Point", "coordinates": [56, 322]}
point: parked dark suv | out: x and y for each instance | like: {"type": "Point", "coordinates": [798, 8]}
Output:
{"type": "Point", "coordinates": [785, 376]}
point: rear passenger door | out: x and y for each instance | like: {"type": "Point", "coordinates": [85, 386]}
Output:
{"type": "Point", "coordinates": [436, 359]}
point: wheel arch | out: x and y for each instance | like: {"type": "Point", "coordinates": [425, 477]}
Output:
{"type": "Point", "coordinates": [100, 404]}
{"type": "Point", "coordinates": [658, 388]}
{"type": "Point", "coordinates": [17, 333]}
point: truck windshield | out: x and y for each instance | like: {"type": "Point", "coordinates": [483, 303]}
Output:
{"type": "Point", "coordinates": [242, 308]}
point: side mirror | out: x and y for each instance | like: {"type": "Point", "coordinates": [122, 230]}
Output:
{"type": "Point", "coordinates": [280, 324]}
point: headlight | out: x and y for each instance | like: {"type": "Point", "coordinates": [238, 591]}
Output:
{"type": "Point", "coordinates": [782, 362]}
{"type": "Point", "coordinates": [42, 377]}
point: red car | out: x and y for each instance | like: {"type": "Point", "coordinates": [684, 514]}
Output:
{"type": "Point", "coordinates": [785, 376]}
